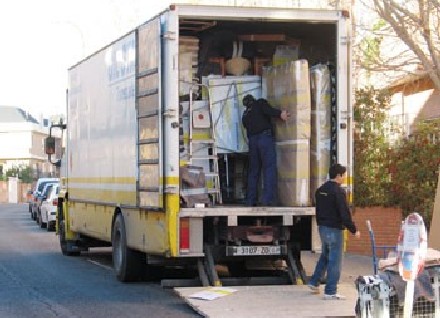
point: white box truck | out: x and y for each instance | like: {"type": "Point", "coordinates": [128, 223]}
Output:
{"type": "Point", "coordinates": [155, 156]}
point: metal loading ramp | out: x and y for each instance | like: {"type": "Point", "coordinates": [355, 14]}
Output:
{"type": "Point", "coordinates": [272, 301]}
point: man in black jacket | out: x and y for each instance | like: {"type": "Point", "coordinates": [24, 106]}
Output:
{"type": "Point", "coordinates": [262, 155]}
{"type": "Point", "coordinates": [332, 217]}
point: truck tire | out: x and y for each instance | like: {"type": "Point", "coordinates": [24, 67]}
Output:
{"type": "Point", "coordinates": [127, 263]}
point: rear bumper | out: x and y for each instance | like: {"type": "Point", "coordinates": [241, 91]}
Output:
{"type": "Point", "coordinates": [232, 213]}
{"type": "Point", "coordinates": [51, 216]}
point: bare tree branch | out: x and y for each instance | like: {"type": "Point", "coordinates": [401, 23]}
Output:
{"type": "Point", "coordinates": [416, 23]}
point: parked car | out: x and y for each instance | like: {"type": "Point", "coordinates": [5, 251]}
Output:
{"type": "Point", "coordinates": [37, 191]}
{"type": "Point", "coordinates": [49, 208]}
{"type": "Point", "coordinates": [41, 197]}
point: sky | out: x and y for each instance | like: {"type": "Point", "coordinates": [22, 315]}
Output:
{"type": "Point", "coordinates": [41, 39]}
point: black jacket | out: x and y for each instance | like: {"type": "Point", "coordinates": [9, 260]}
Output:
{"type": "Point", "coordinates": [331, 207]}
{"type": "Point", "coordinates": [257, 117]}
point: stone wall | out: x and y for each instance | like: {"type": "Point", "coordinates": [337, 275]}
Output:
{"type": "Point", "coordinates": [22, 191]}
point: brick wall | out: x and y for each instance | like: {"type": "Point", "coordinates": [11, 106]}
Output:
{"type": "Point", "coordinates": [4, 192]}
{"type": "Point", "coordinates": [385, 223]}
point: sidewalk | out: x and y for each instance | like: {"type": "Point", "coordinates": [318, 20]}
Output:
{"type": "Point", "coordinates": [352, 265]}
{"type": "Point", "coordinates": [288, 300]}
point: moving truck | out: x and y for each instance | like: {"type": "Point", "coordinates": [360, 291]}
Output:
{"type": "Point", "coordinates": [155, 160]}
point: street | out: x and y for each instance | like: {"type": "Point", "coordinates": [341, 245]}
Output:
{"type": "Point", "coordinates": [36, 280]}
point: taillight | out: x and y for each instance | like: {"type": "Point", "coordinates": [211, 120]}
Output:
{"type": "Point", "coordinates": [55, 202]}
{"type": "Point", "coordinates": [184, 235]}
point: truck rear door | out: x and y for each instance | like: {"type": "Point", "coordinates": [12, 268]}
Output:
{"type": "Point", "coordinates": [149, 115]}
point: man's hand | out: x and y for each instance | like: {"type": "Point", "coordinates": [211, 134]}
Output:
{"type": "Point", "coordinates": [357, 234]}
{"type": "Point", "coordinates": [284, 115]}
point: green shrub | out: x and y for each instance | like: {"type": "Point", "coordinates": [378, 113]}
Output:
{"type": "Point", "coordinates": [404, 174]}
{"type": "Point", "coordinates": [414, 169]}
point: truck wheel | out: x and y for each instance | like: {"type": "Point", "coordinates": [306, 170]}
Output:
{"type": "Point", "coordinates": [127, 263]}
{"type": "Point", "coordinates": [63, 242]}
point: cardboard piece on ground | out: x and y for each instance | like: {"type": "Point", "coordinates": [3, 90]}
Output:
{"type": "Point", "coordinates": [213, 293]}
{"type": "Point", "coordinates": [434, 231]}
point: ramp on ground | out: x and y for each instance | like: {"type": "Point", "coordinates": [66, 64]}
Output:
{"type": "Point", "coordinates": [272, 301]}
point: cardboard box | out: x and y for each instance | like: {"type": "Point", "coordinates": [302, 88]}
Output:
{"type": "Point", "coordinates": [293, 159]}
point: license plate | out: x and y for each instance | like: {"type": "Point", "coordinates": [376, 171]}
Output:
{"type": "Point", "coordinates": [256, 250]}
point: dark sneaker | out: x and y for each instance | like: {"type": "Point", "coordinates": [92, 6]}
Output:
{"type": "Point", "coordinates": [334, 297]}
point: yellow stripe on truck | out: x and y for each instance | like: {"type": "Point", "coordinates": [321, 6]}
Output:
{"type": "Point", "coordinates": [102, 195]}
{"type": "Point", "coordinates": [99, 180]}
{"type": "Point", "coordinates": [110, 190]}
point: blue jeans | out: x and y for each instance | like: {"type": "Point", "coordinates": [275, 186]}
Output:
{"type": "Point", "coordinates": [330, 259]}
{"type": "Point", "coordinates": [262, 156]}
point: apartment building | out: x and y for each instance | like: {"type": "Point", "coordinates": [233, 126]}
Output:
{"type": "Point", "coordinates": [22, 142]}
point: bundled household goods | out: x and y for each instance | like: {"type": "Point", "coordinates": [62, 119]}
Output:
{"type": "Point", "coordinates": [288, 87]}
{"type": "Point", "coordinates": [286, 54]}
{"type": "Point", "coordinates": [226, 94]}
{"type": "Point", "coordinates": [188, 59]}
{"type": "Point", "coordinates": [321, 126]}
{"type": "Point", "coordinates": [193, 186]}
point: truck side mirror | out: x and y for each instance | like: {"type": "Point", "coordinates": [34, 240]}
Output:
{"type": "Point", "coordinates": [49, 145]}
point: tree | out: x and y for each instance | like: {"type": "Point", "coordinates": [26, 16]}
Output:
{"type": "Point", "coordinates": [371, 149]}
{"type": "Point", "coordinates": [24, 173]}
{"type": "Point", "coordinates": [417, 24]}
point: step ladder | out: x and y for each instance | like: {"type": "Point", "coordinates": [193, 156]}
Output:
{"type": "Point", "coordinates": [204, 123]}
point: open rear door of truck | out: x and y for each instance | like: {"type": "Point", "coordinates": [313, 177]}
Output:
{"type": "Point", "coordinates": [149, 116]}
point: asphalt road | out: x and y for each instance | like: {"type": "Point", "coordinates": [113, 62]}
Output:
{"type": "Point", "coordinates": [36, 280]}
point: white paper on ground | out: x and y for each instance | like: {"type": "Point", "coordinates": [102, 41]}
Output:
{"type": "Point", "coordinates": [213, 293]}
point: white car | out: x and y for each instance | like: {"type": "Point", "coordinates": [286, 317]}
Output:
{"type": "Point", "coordinates": [33, 206]}
{"type": "Point", "coordinates": [48, 208]}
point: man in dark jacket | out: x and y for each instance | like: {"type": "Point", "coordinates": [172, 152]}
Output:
{"type": "Point", "coordinates": [262, 155]}
{"type": "Point", "coordinates": [332, 217]}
